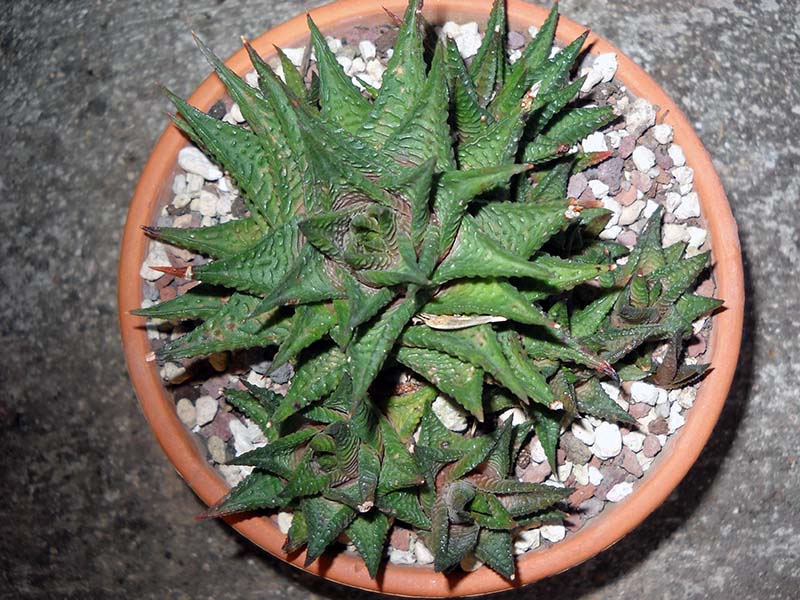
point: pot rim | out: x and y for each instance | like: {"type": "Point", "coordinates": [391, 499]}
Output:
{"type": "Point", "coordinates": [602, 531]}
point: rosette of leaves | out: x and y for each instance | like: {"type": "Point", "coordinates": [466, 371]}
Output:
{"type": "Point", "coordinates": [424, 226]}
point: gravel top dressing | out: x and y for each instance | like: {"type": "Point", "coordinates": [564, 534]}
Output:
{"type": "Point", "coordinates": [601, 460]}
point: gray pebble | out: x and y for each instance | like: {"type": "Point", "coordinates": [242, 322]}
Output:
{"type": "Point", "coordinates": [218, 110]}
{"type": "Point", "coordinates": [576, 451]}
{"type": "Point", "coordinates": [151, 292]}
{"type": "Point", "coordinates": [515, 40]}
{"type": "Point", "coordinates": [577, 184]}
{"type": "Point", "coordinates": [282, 374]}
{"type": "Point", "coordinates": [610, 172]}
{"type": "Point", "coordinates": [591, 508]}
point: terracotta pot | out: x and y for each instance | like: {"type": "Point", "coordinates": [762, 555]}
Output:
{"type": "Point", "coordinates": [599, 533]}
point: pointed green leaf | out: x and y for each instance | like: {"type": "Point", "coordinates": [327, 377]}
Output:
{"type": "Point", "coordinates": [326, 520]}
{"type": "Point", "coordinates": [340, 99]}
{"type": "Point", "coordinates": [317, 377]}
{"type": "Point", "coordinates": [405, 411]}
{"type": "Point", "coordinates": [217, 241]}
{"type": "Point", "coordinates": [256, 491]}
{"type": "Point", "coordinates": [593, 400]}
{"type": "Point", "coordinates": [399, 469]}
{"type": "Point", "coordinates": [477, 345]}
{"type": "Point", "coordinates": [200, 302]}
{"type": "Point", "coordinates": [496, 549]}
{"type": "Point", "coordinates": [368, 534]}
{"type": "Point", "coordinates": [311, 322]}
{"type": "Point", "coordinates": [460, 380]}
{"type": "Point", "coordinates": [229, 329]}
{"type": "Point", "coordinates": [474, 254]}
{"type": "Point", "coordinates": [259, 268]}
{"type": "Point", "coordinates": [404, 505]}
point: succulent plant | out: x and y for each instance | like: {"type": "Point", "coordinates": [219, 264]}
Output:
{"type": "Point", "coordinates": [423, 227]}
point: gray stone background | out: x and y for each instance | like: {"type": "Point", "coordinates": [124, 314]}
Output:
{"type": "Point", "coordinates": [92, 509]}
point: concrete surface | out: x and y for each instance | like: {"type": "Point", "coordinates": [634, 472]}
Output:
{"type": "Point", "coordinates": [91, 507]}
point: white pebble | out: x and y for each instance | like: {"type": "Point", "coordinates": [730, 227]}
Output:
{"type": "Point", "coordinates": [285, 521]}
{"type": "Point", "coordinates": [639, 117]}
{"type": "Point", "coordinates": [581, 473]}
{"type": "Point", "coordinates": [672, 201]}
{"type": "Point", "coordinates": [614, 138]}
{"type": "Point", "coordinates": [224, 205]}
{"type": "Point", "coordinates": [181, 200]}
{"type": "Point", "coordinates": [610, 233]}
{"type": "Point", "coordinates": [236, 113]}
{"type": "Point", "coordinates": [345, 62]}
{"type": "Point", "coordinates": [595, 476]}
{"type": "Point", "coordinates": [595, 142]}
{"type": "Point", "coordinates": [452, 416]}
{"type": "Point", "coordinates": [179, 184]}
{"type": "Point", "coordinates": [619, 491]}
{"type": "Point", "coordinates": [451, 29]}
{"type": "Point", "coordinates": [205, 204]}
{"type": "Point", "coordinates": [634, 440]}
{"type": "Point", "coordinates": [553, 533]}
{"type": "Point", "coordinates": [246, 437]}
{"type": "Point", "coordinates": [592, 78]}
{"type": "Point", "coordinates": [251, 79]}
{"type": "Point", "coordinates": [234, 474]}
{"type": "Point", "coordinates": [615, 208]}
{"type": "Point", "coordinates": [532, 31]}
{"type": "Point", "coordinates": [662, 133]}
{"type": "Point", "coordinates": [673, 233]}
{"type": "Point", "coordinates": [650, 207]}
{"type": "Point", "coordinates": [676, 154]}
{"type": "Point", "coordinates": [645, 393]}
{"type": "Point", "coordinates": [683, 175]}
{"type": "Point", "coordinates": [375, 69]}
{"type": "Point", "coordinates": [216, 448]}
{"type": "Point", "coordinates": [537, 451]}
{"type": "Point", "coordinates": [606, 64]}
{"type": "Point", "coordinates": [194, 183]}
{"type": "Point", "coordinates": [192, 160]}
{"type": "Point", "coordinates": [206, 407]}
{"type": "Point", "coordinates": [517, 416]}
{"type": "Point", "coordinates": [607, 441]}
{"type": "Point", "coordinates": [468, 45]}
{"type": "Point", "coordinates": [697, 236]}
{"type": "Point", "coordinates": [599, 189]}
{"type": "Point", "coordinates": [424, 556]}
{"type": "Point", "coordinates": [334, 44]}
{"type": "Point", "coordinates": [156, 257]}
{"type": "Point", "coordinates": [643, 158]}
{"type": "Point", "coordinates": [295, 55]}
{"type": "Point", "coordinates": [631, 212]}
{"type": "Point", "coordinates": [676, 419]}
{"type": "Point", "coordinates": [686, 397]}
{"type": "Point", "coordinates": [470, 28]}
{"type": "Point", "coordinates": [186, 412]}
{"type": "Point", "coordinates": [689, 207]}
{"type": "Point", "coordinates": [401, 557]}
{"type": "Point", "coordinates": [367, 49]}
{"type": "Point", "coordinates": [256, 379]}
{"type": "Point", "coordinates": [172, 372]}
{"type": "Point", "coordinates": [583, 431]}
{"type": "Point", "coordinates": [564, 470]}
{"type": "Point", "coordinates": [527, 539]}
{"type": "Point", "coordinates": [358, 67]}
{"type": "Point", "coordinates": [225, 185]}
{"type": "Point", "coordinates": [644, 461]}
